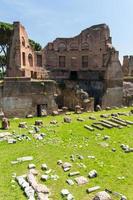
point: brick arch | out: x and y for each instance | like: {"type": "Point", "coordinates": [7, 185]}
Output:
{"type": "Point", "coordinates": [85, 46]}
{"type": "Point", "coordinates": [61, 46]}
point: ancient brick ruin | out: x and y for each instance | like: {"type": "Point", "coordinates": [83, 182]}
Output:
{"type": "Point", "coordinates": [127, 65]}
{"type": "Point", "coordinates": [23, 60]}
{"type": "Point", "coordinates": [86, 69]}
{"type": "Point", "coordinates": [91, 61]}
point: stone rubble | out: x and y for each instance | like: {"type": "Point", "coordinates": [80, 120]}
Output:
{"type": "Point", "coordinates": [92, 174]}
{"type": "Point", "coordinates": [102, 196]}
{"type": "Point", "coordinates": [81, 180]}
{"type": "Point", "coordinates": [93, 189]}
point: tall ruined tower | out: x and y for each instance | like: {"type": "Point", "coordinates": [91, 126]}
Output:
{"type": "Point", "coordinates": [23, 60]}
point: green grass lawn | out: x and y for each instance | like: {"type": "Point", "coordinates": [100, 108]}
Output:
{"type": "Point", "coordinates": [63, 140]}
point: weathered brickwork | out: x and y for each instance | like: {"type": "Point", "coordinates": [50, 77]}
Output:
{"type": "Point", "coordinates": [23, 60]}
{"type": "Point", "coordinates": [128, 65]}
{"type": "Point", "coordinates": [21, 96]}
{"type": "Point", "coordinates": [90, 59]}
{"type": "Point", "coordinates": [87, 66]}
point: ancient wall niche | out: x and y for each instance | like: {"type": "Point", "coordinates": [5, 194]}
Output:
{"type": "Point", "coordinates": [30, 60]}
{"type": "Point", "coordinates": [62, 47]}
{"type": "Point", "coordinates": [23, 59]}
{"type": "Point", "coordinates": [23, 42]}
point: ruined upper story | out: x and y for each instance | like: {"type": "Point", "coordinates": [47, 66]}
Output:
{"type": "Point", "coordinates": [90, 49]}
{"type": "Point", "coordinates": [23, 60]}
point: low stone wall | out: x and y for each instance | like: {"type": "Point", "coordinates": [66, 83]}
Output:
{"type": "Point", "coordinates": [20, 97]}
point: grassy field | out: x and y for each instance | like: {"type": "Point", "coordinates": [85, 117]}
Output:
{"type": "Point", "coordinates": [63, 140]}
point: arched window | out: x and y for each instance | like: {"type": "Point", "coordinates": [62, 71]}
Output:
{"type": "Point", "coordinates": [30, 60]}
{"type": "Point", "coordinates": [23, 58]}
{"type": "Point", "coordinates": [62, 47]}
{"type": "Point", "coordinates": [23, 41]}
{"type": "Point", "coordinates": [85, 46]}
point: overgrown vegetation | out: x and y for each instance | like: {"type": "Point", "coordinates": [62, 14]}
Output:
{"type": "Point", "coordinates": [62, 141]}
{"type": "Point", "coordinates": [6, 26]}
{"type": "Point", "coordinates": [36, 46]}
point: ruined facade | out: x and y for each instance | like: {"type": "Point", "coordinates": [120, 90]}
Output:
{"type": "Point", "coordinates": [23, 60]}
{"type": "Point", "coordinates": [127, 65]}
{"type": "Point", "coordinates": [86, 69]}
{"type": "Point", "coordinates": [91, 61]}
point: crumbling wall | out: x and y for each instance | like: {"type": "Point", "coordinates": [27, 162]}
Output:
{"type": "Point", "coordinates": [127, 65]}
{"type": "Point", "coordinates": [114, 82]}
{"type": "Point", "coordinates": [20, 96]}
{"type": "Point", "coordinates": [90, 59]}
{"type": "Point", "coordinates": [81, 53]}
{"type": "Point", "coordinates": [22, 57]}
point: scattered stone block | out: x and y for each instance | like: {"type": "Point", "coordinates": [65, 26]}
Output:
{"type": "Point", "coordinates": [11, 141]}
{"type": "Point", "coordinates": [33, 171]}
{"type": "Point", "coordinates": [44, 167]}
{"type": "Point", "coordinates": [29, 191]}
{"type": "Point", "coordinates": [64, 192]}
{"type": "Point", "coordinates": [92, 117]}
{"type": "Point", "coordinates": [44, 177]}
{"type": "Point", "coordinates": [98, 108]}
{"type": "Point", "coordinates": [67, 119]}
{"type": "Point", "coordinates": [81, 180]}
{"type": "Point", "coordinates": [104, 115]}
{"type": "Point", "coordinates": [69, 197]}
{"type": "Point", "coordinates": [42, 196]}
{"type": "Point", "coordinates": [53, 122]}
{"type": "Point", "coordinates": [29, 116]}
{"type": "Point", "coordinates": [38, 123]}
{"type": "Point", "coordinates": [118, 122]}
{"type": "Point", "coordinates": [98, 127]}
{"type": "Point", "coordinates": [91, 157]}
{"type": "Point", "coordinates": [59, 162]}
{"type": "Point", "coordinates": [80, 157]}
{"type": "Point", "coordinates": [80, 119]}
{"type": "Point", "coordinates": [102, 196]}
{"type": "Point", "coordinates": [123, 198]}
{"type": "Point", "coordinates": [106, 137]}
{"type": "Point", "coordinates": [108, 108]}
{"type": "Point", "coordinates": [22, 125]}
{"type": "Point", "coordinates": [93, 189]}
{"type": "Point", "coordinates": [72, 157]}
{"type": "Point", "coordinates": [89, 128]}
{"type": "Point", "coordinates": [48, 171]}
{"type": "Point", "coordinates": [106, 125]}
{"type": "Point", "coordinates": [64, 108]}
{"type": "Point", "coordinates": [74, 173]}
{"type": "Point", "coordinates": [70, 182]}
{"type": "Point", "coordinates": [31, 131]}
{"type": "Point", "coordinates": [92, 174]}
{"type": "Point", "coordinates": [36, 129]}
{"type": "Point", "coordinates": [66, 166]}
{"type": "Point", "coordinates": [31, 166]}
{"type": "Point", "coordinates": [54, 177]}
{"type": "Point", "coordinates": [26, 158]}
{"type": "Point", "coordinates": [55, 112]}
{"type": "Point", "coordinates": [5, 123]}
{"type": "Point", "coordinates": [113, 149]}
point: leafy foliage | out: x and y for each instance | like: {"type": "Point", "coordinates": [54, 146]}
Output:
{"type": "Point", "coordinates": [6, 26]}
{"type": "Point", "coordinates": [3, 60]}
{"type": "Point", "coordinates": [36, 46]}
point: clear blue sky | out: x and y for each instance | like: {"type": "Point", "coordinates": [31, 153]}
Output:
{"type": "Point", "coordinates": [47, 19]}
